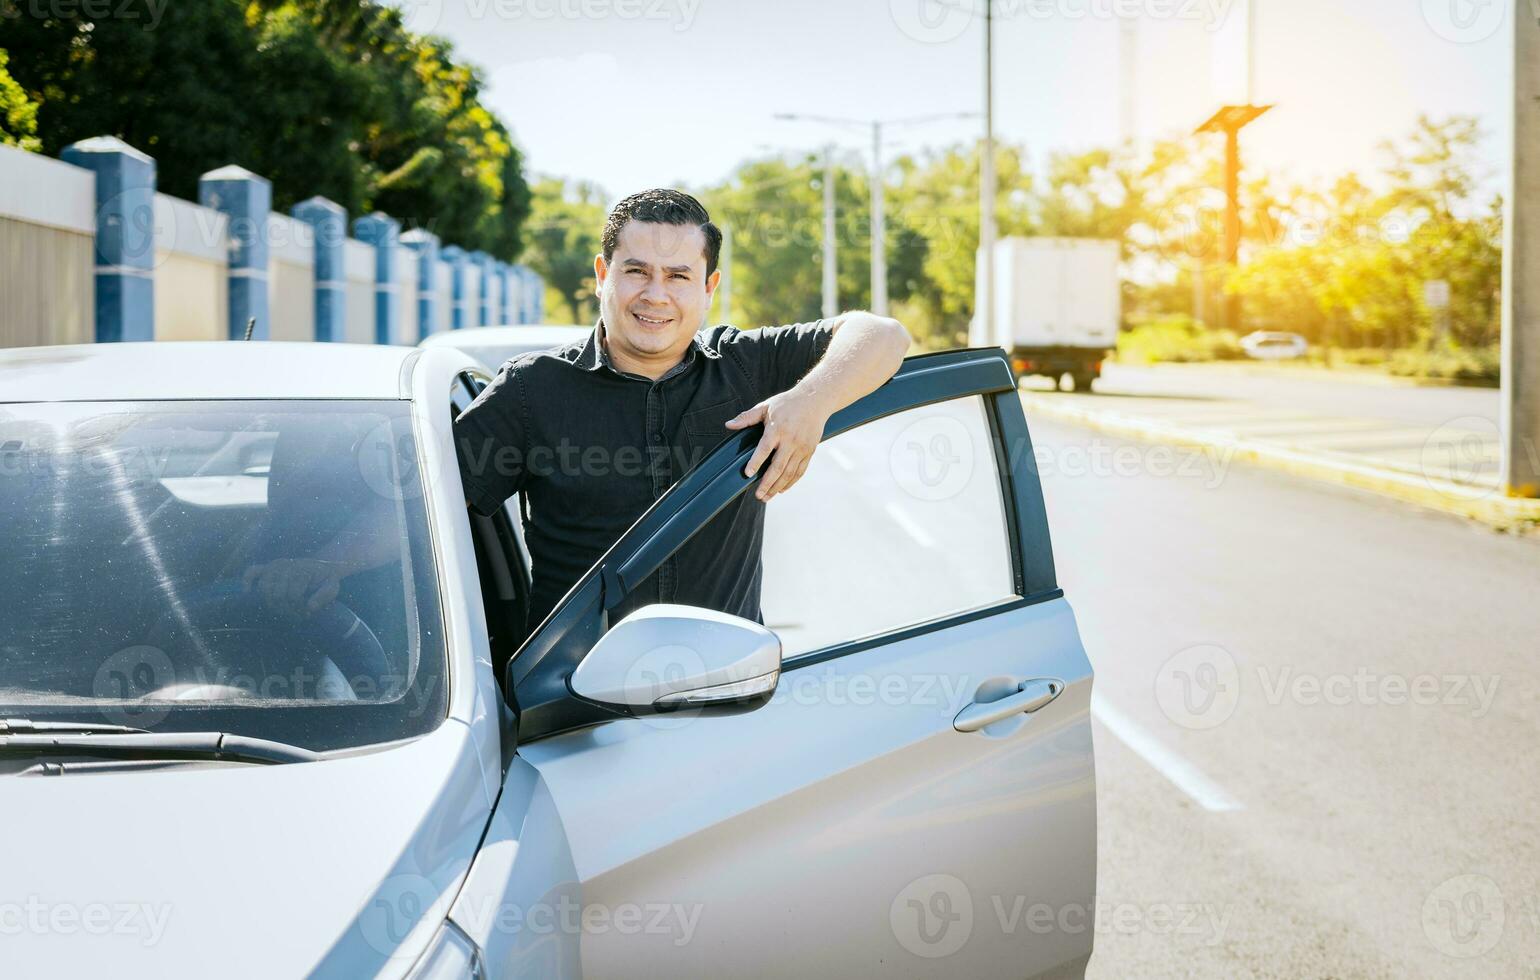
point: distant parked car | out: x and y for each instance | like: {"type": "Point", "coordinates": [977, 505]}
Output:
{"type": "Point", "coordinates": [493, 346]}
{"type": "Point", "coordinates": [1274, 345]}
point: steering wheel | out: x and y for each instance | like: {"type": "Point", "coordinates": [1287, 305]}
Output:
{"type": "Point", "coordinates": [225, 633]}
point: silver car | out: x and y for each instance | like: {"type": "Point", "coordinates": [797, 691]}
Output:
{"type": "Point", "coordinates": [235, 747]}
{"type": "Point", "coordinates": [492, 346]}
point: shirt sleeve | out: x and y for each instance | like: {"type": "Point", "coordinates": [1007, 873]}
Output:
{"type": "Point", "coordinates": [491, 441]}
{"type": "Point", "coordinates": [780, 356]}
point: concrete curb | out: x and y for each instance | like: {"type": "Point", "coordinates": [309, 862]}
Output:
{"type": "Point", "coordinates": [1478, 503]}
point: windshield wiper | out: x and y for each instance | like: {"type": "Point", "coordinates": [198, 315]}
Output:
{"type": "Point", "coordinates": [216, 746]}
{"type": "Point", "coordinates": [26, 726]}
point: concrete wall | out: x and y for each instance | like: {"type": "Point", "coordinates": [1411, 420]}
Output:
{"type": "Point", "coordinates": [190, 271]}
{"type": "Point", "coordinates": [358, 261]}
{"type": "Point", "coordinates": [47, 263]}
{"type": "Point", "coordinates": [52, 268]}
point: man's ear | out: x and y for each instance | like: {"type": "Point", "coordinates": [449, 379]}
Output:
{"type": "Point", "coordinates": [601, 272]}
{"type": "Point", "coordinates": [712, 281]}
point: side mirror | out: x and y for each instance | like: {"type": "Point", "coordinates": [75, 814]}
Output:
{"type": "Point", "coordinates": [664, 657]}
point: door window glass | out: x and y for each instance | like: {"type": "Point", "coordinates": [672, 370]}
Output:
{"type": "Point", "coordinates": [896, 523]}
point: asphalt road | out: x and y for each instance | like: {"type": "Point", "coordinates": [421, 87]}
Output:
{"type": "Point", "coordinates": [1310, 392]}
{"type": "Point", "coordinates": [1318, 721]}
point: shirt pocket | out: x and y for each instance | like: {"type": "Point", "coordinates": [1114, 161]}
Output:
{"type": "Point", "coordinates": [703, 429]}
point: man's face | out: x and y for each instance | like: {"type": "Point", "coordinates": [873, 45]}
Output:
{"type": "Point", "coordinates": [654, 291]}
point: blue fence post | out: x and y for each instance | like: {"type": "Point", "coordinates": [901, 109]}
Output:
{"type": "Point", "coordinates": [483, 303]}
{"type": "Point", "coordinates": [456, 258]}
{"type": "Point", "coordinates": [424, 244]}
{"type": "Point", "coordinates": [125, 236]}
{"type": "Point", "coordinates": [504, 294]}
{"type": "Point", "coordinates": [384, 233]}
{"type": "Point", "coordinates": [329, 220]}
{"type": "Point", "coordinates": [246, 198]}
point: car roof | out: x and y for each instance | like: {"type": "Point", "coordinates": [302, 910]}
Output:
{"type": "Point", "coordinates": [542, 335]}
{"type": "Point", "coordinates": [202, 370]}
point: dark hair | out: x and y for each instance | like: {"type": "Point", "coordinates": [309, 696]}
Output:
{"type": "Point", "coordinates": [665, 206]}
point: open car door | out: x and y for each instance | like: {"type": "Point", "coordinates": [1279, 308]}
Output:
{"type": "Point", "coordinates": [919, 786]}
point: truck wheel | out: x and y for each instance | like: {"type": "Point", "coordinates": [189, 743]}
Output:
{"type": "Point", "coordinates": [1082, 381]}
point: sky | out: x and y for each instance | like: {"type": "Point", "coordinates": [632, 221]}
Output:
{"type": "Point", "coordinates": [632, 94]}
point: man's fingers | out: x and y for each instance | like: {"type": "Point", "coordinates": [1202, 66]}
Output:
{"type": "Point", "coordinates": [324, 594]}
{"type": "Point", "coordinates": [761, 453]}
{"type": "Point", "coordinates": [768, 486]}
{"type": "Point", "coordinates": [747, 417]}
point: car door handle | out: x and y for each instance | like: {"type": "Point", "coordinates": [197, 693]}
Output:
{"type": "Point", "coordinates": [1030, 696]}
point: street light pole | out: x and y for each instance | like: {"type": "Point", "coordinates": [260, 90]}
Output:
{"type": "Point", "coordinates": [879, 299]}
{"type": "Point", "coordinates": [986, 259]}
{"type": "Point", "coordinates": [879, 238]}
{"type": "Point", "coordinates": [1520, 412]}
{"type": "Point", "coordinates": [830, 279]}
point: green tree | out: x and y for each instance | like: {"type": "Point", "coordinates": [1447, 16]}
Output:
{"type": "Point", "coordinates": [565, 225]}
{"type": "Point", "coordinates": [18, 113]}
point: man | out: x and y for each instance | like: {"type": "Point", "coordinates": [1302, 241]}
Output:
{"type": "Point", "coordinates": [593, 433]}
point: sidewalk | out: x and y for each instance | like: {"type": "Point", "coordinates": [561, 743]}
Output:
{"type": "Point", "coordinates": [1451, 468]}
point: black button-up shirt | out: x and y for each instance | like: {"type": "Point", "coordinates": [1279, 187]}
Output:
{"type": "Point", "coordinates": [592, 447]}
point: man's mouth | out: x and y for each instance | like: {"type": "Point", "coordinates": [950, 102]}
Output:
{"type": "Point", "coordinates": [656, 321]}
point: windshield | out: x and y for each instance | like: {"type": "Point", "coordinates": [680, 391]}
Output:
{"type": "Point", "coordinates": [254, 567]}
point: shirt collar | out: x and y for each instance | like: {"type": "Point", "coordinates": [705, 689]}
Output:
{"type": "Point", "coordinates": [593, 356]}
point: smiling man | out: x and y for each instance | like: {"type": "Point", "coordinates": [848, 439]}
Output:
{"type": "Point", "coordinates": [593, 433]}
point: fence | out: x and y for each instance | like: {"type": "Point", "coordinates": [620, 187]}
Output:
{"type": "Point", "coordinates": [89, 251]}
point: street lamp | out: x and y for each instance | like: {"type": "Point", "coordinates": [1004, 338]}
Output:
{"type": "Point", "coordinates": [878, 223]}
{"type": "Point", "coordinates": [1230, 120]}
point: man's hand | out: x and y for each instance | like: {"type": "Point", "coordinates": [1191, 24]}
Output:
{"type": "Point", "coordinates": [794, 422]}
{"type": "Point", "coordinates": [300, 584]}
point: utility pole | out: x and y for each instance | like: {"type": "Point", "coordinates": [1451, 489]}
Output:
{"type": "Point", "coordinates": [1520, 423]}
{"type": "Point", "coordinates": [986, 260]}
{"type": "Point", "coordinates": [879, 228]}
{"type": "Point", "coordinates": [725, 286]}
{"type": "Point", "coordinates": [879, 249]}
{"type": "Point", "coordinates": [831, 306]}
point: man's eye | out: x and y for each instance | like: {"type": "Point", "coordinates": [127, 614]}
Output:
{"type": "Point", "coordinates": [636, 272]}
{"type": "Point", "coordinates": [679, 275]}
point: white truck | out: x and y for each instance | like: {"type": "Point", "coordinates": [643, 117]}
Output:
{"type": "Point", "coordinates": [1057, 306]}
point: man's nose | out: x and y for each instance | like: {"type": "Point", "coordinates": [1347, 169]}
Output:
{"type": "Point", "coordinates": [654, 291]}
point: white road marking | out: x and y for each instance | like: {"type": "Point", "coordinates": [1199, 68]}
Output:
{"type": "Point", "coordinates": [1183, 775]}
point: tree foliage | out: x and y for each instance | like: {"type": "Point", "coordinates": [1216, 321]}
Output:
{"type": "Point", "coordinates": [336, 99]}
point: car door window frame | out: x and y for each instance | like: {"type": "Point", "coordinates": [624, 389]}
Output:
{"type": "Point", "coordinates": [538, 673]}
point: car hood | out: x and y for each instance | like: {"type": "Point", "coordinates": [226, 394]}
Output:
{"type": "Point", "coordinates": [335, 868]}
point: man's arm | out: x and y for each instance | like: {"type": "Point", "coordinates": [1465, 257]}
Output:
{"type": "Point", "coordinates": [865, 351]}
